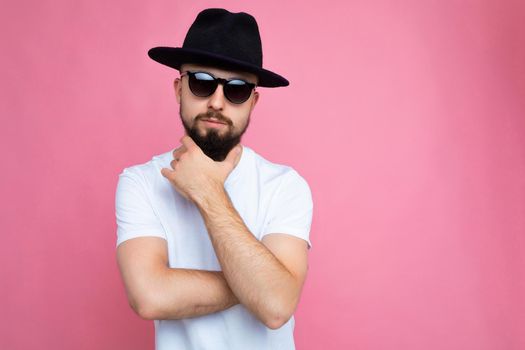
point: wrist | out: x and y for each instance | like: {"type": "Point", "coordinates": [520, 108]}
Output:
{"type": "Point", "coordinates": [210, 196]}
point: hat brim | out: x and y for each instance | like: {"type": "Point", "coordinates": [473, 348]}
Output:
{"type": "Point", "coordinates": [174, 57]}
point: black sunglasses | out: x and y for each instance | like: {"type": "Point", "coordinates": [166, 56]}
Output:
{"type": "Point", "coordinates": [204, 84]}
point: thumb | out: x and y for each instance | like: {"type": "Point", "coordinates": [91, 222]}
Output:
{"type": "Point", "coordinates": [234, 155]}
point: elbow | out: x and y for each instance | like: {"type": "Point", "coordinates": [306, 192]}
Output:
{"type": "Point", "coordinates": [143, 308]}
{"type": "Point", "coordinates": [278, 308]}
{"type": "Point", "coordinates": [276, 322]}
{"type": "Point", "coordinates": [146, 313]}
{"type": "Point", "coordinates": [278, 317]}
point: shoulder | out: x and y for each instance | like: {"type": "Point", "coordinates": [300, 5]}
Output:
{"type": "Point", "coordinates": [286, 176]}
{"type": "Point", "coordinates": [148, 172]}
{"type": "Point", "coordinates": [266, 167]}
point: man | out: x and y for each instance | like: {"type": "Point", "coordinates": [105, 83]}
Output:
{"type": "Point", "coordinates": [212, 238]}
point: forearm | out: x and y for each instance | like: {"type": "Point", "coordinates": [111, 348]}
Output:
{"type": "Point", "coordinates": [184, 293]}
{"type": "Point", "coordinates": [255, 275]}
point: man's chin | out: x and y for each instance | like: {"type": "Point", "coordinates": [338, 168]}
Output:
{"type": "Point", "coordinates": [214, 145]}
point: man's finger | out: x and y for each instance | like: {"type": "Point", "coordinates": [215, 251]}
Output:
{"type": "Point", "coordinates": [166, 172]}
{"type": "Point", "coordinates": [179, 152]}
{"type": "Point", "coordinates": [188, 142]}
{"type": "Point", "coordinates": [234, 155]}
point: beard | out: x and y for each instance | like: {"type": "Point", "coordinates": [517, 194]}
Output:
{"type": "Point", "coordinates": [213, 144]}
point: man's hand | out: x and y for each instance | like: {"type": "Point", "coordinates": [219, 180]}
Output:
{"type": "Point", "coordinates": [194, 174]}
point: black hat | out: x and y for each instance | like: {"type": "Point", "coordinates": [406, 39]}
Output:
{"type": "Point", "coordinates": [224, 39]}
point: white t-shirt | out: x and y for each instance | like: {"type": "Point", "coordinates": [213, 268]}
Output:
{"type": "Point", "coordinates": [270, 198]}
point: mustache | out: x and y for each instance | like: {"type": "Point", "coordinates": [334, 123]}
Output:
{"type": "Point", "coordinates": [215, 115]}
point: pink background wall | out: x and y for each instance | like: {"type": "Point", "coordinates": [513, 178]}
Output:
{"type": "Point", "coordinates": [406, 117]}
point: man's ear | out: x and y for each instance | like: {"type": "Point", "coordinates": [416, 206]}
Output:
{"type": "Point", "coordinates": [255, 99]}
{"type": "Point", "coordinates": [177, 85]}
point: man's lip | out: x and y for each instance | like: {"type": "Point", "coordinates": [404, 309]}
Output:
{"type": "Point", "coordinates": [213, 121]}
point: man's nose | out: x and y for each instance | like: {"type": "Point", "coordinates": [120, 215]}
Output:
{"type": "Point", "coordinates": [216, 100]}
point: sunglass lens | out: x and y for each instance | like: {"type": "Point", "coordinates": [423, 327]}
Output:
{"type": "Point", "coordinates": [202, 84]}
{"type": "Point", "coordinates": [237, 91]}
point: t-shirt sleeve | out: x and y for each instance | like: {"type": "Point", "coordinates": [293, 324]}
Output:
{"type": "Point", "coordinates": [291, 209]}
{"type": "Point", "coordinates": [134, 211]}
